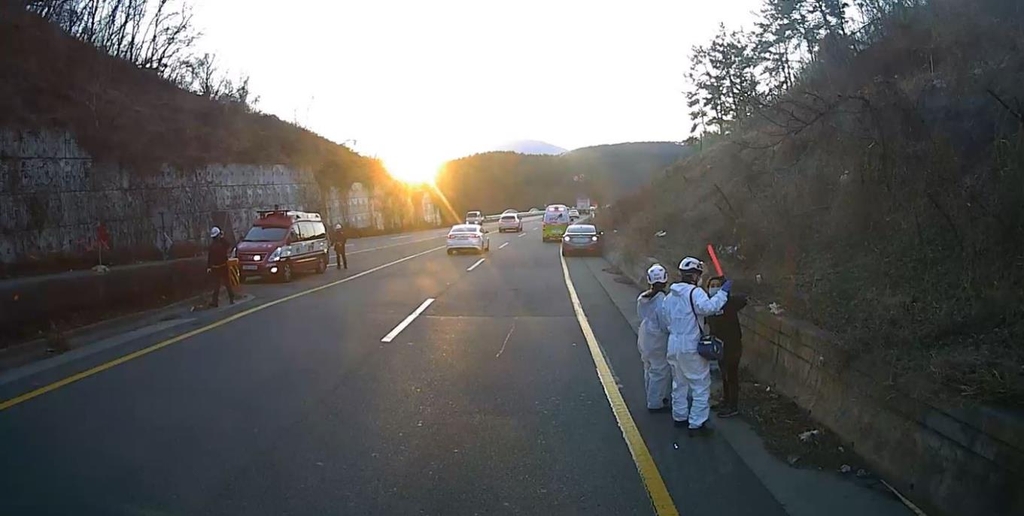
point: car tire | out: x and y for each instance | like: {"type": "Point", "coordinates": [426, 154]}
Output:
{"type": "Point", "coordinates": [321, 266]}
{"type": "Point", "coordinates": [286, 273]}
{"type": "Point", "coordinates": [450, 252]}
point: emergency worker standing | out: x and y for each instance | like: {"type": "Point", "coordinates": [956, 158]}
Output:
{"type": "Point", "coordinates": [339, 239]}
{"type": "Point", "coordinates": [652, 341]}
{"type": "Point", "coordinates": [217, 266]}
{"type": "Point", "coordinates": [683, 313]}
{"type": "Point", "coordinates": [726, 326]}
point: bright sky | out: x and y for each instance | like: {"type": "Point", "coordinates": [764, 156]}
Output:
{"type": "Point", "coordinates": [419, 82]}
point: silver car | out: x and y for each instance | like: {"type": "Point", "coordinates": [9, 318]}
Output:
{"type": "Point", "coordinates": [468, 237]}
{"type": "Point", "coordinates": [474, 217]}
{"type": "Point", "coordinates": [510, 222]}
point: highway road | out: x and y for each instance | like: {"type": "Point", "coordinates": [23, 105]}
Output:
{"type": "Point", "coordinates": [486, 398]}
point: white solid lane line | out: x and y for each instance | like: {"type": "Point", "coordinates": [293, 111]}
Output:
{"type": "Point", "coordinates": [400, 237]}
{"type": "Point", "coordinates": [502, 246]}
{"type": "Point", "coordinates": [475, 265]}
{"type": "Point", "coordinates": [408, 320]}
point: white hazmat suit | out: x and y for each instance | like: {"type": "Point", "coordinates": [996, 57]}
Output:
{"type": "Point", "coordinates": [692, 373]}
{"type": "Point", "coordinates": [652, 341]}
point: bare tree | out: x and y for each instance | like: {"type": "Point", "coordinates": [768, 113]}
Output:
{"type": "Point", "coordinates": [153, 34]}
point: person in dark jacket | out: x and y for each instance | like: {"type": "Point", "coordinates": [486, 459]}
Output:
{"type": "Point", "coordinates": [217, 266]}
{"type": "Point", "coordinates": [339, 239]}
{"type": "Point", "coordinates": [726, 326]}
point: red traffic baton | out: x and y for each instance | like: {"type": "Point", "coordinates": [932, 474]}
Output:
{"type": "Point", "coordinates": [714, 260]}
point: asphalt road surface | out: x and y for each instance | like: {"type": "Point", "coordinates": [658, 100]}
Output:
{"type": "Point", "coordinates": [487, 402]}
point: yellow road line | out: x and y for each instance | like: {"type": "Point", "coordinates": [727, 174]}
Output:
{"type": "Point", "coordinates": [649, 475]}
{"type": "Point", "coordinates": [160, 345]}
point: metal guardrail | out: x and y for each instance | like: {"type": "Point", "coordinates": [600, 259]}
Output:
{"type": "Point", "coordinates": [522, 215]}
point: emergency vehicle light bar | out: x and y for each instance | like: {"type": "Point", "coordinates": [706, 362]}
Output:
{"type": "Point", "coordinates": [292, 214]}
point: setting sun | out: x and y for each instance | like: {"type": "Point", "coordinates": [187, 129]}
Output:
{"type": "Point", "coordinates": [413, 170]}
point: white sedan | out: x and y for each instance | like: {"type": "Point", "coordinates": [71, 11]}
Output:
{"type": "Point", "coordinates": [471, 237]}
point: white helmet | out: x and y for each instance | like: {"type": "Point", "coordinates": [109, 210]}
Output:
{"type": "Point", "coordinates": [337, 226]}
{"type": "Point", "coordinates": [215, 232]}
{"type": "Point", "coordinates": [691, 264]}
{"type": "Point", "coordinates": [657, 274]}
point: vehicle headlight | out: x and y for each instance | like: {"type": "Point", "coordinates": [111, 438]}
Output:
{"type": "Point", "coordinates": [594, 238]}
{"type": "Point", "coordinates": [275, 256]}
{"type": "Point", "coordinates": [565, 239]}
{"type": "Point", "coordinates": [256, 257]}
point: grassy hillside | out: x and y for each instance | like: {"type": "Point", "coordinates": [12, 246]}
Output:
{"type": "Point", "coordinates": [882, 199]}
{"type": "Point", "coordinates": [493, 181]}
{"type": "Point", "coordinates": [121, 113]}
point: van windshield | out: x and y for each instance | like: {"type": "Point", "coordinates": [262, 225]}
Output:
{"type": "Point", "coordinates": [262, 234]}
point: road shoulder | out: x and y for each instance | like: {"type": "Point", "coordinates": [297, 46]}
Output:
{"type": "Point", "coordinates": [801, 492]}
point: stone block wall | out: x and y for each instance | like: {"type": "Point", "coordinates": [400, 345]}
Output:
{"type": "Point", "coordinates": [966, 460]}
{"type": "Point", "coordinates": [53, 196]}
{"type": "Point", "coordinates": [952, 460]}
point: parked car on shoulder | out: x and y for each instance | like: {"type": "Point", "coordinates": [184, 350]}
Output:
{"type": "Point", "coordinates": [582, 239]}
{"type": "Point", "coordinates": [281, 243]}
{"type": "Point", "coordinates": [468, 237]}
{"type": "Point", "coordinates": [510, 222]}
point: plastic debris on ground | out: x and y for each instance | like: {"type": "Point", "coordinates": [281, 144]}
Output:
{"type": "Point", "coordinates": [775, 308]}
{"type": "Point", "coordinates": [845, 468]}
{"type": "Point", "coordinates": [808, 435]}
{"type": "Point", "coordinates": [661, 233]}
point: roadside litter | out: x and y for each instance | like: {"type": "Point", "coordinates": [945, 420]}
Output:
{"type": "Point", "coordinates": [808, 435]}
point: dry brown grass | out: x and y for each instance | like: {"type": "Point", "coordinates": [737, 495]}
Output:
{"type": "Point", "coordinates": [120, 113]}
{"type": "Point", "coordinates": [883, 200]}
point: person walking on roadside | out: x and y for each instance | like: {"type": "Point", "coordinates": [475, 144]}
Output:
{"type": "Point", "coordinates": [339, 239]}
{"type": "Point", "coordinates": [683, 312]}
{"type": "Point", "coordinates": [217, 266]}
{"type": "Point", "coordinates": [652, 341]}
{"type": "Point", "coordinates": [726, 326]}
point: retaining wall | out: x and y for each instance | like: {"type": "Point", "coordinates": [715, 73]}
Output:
{"type": "Point", "coordinates": [949, 460]}
{"type": "Point", "coordinates": [53, 196]}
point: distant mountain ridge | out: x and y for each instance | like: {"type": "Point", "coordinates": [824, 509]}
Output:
{"type": "Point", "coordinates": [530, 147]}
{"type": "Point", "coordinates": [496, 180]}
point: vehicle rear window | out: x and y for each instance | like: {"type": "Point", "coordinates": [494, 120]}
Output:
{"type": "Point", "coordinates": [507, 218]}
{"type": "Point", "coordinates": [554, 217]}
{"type": "Point", "coordinates": [581, 229]}
{"type": "Point", "coordinates": [465, 229]}
{"type": "Point", "coordinates": [473, 214]}
{"type": "Point", "coordinates": [262, 234]}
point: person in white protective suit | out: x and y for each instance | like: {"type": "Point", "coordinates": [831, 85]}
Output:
{"type": "Point", "coordinates": [683, 312]}
{"type": "Point", "coordinates": [652, 341]}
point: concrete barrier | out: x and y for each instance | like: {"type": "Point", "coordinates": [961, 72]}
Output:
{"type": "Point", "coordinates": [948, 460]}
{"type": "Point", "coordinates": [29, 304]}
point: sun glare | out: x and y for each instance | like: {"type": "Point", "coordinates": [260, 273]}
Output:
{"type": "Point", "coordinates": [411, 170]}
